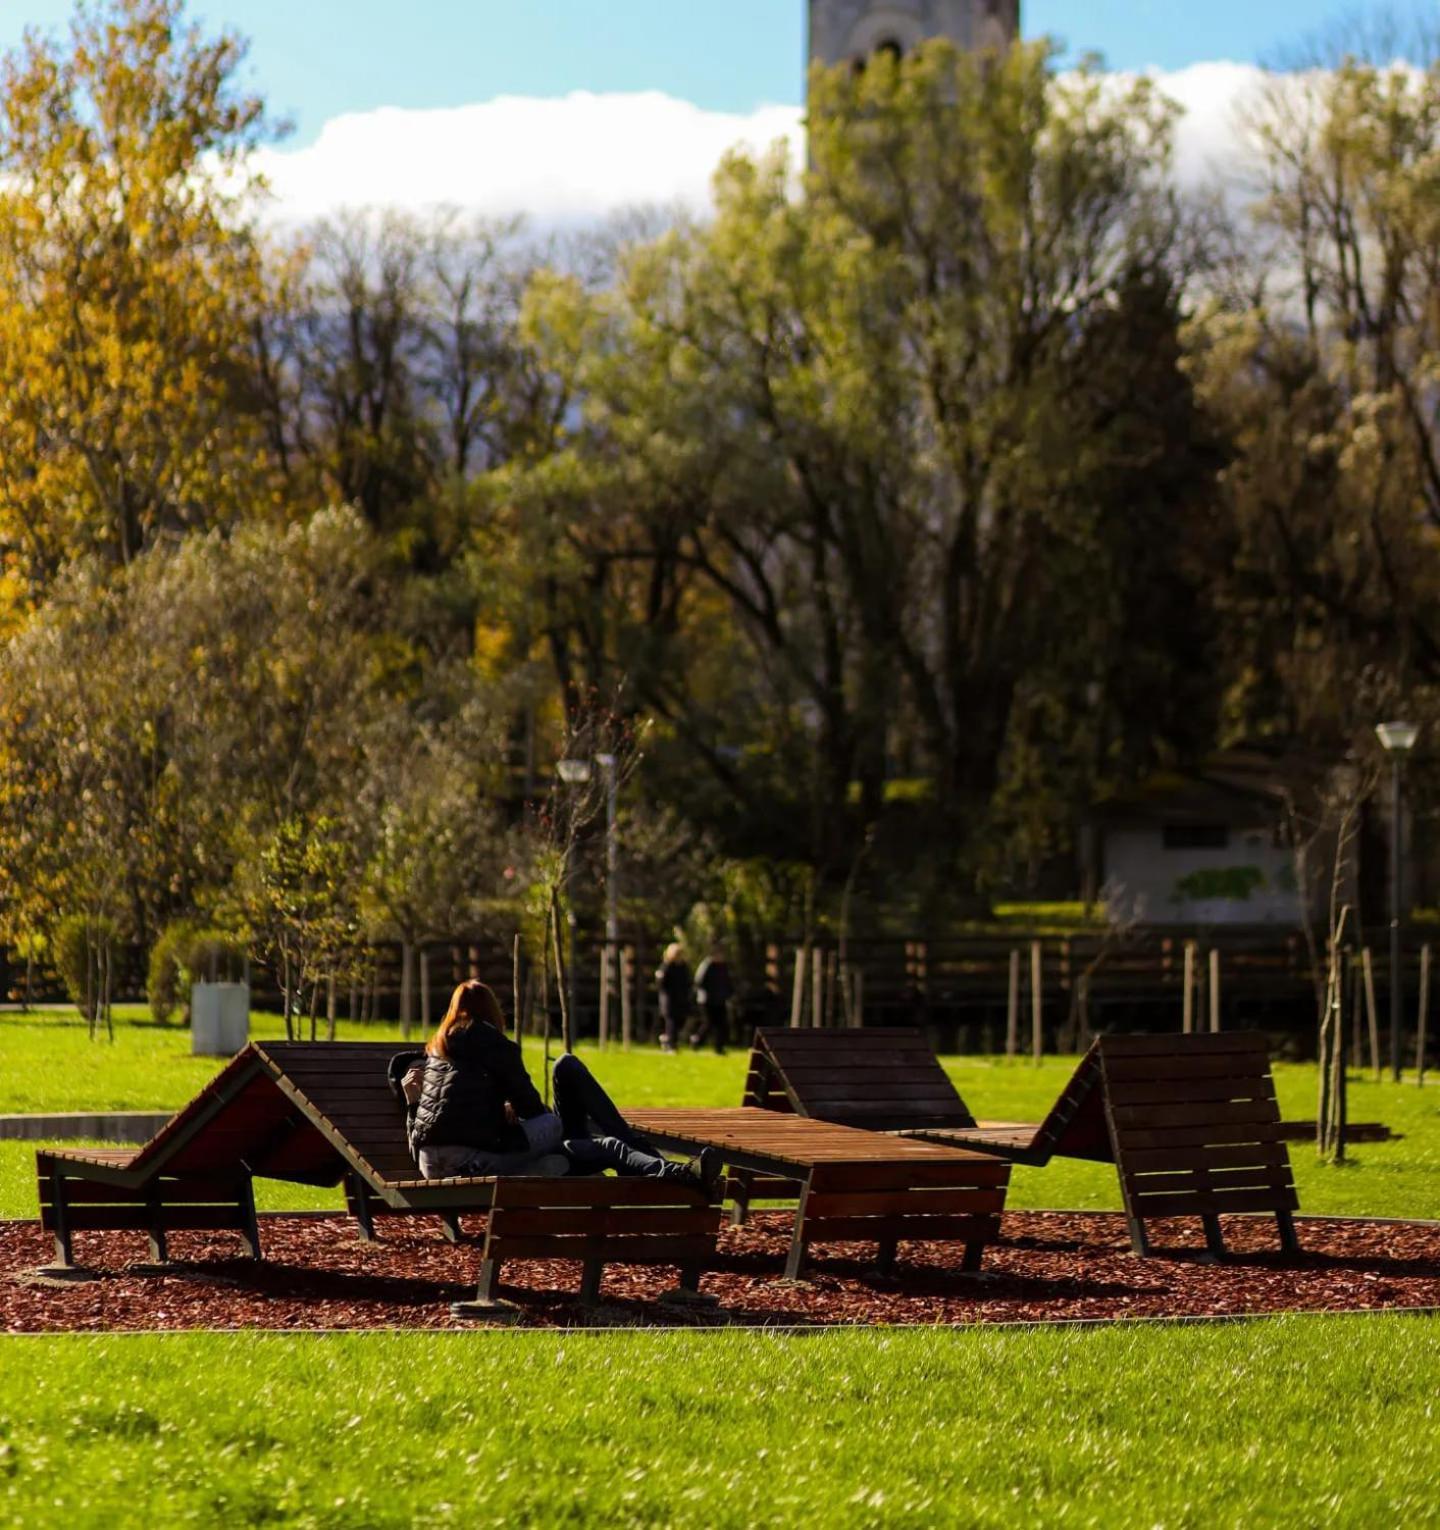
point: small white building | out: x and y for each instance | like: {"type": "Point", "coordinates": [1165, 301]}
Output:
{"type": "Point", "coordinates": [1204, 847]}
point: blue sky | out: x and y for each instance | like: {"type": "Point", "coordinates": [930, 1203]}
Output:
{"type": "Point", "coordinates": [317, 59]}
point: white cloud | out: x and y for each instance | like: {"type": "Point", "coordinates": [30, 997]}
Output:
{"type": "Point", "coordinates": [575, 158]}
{"type": "Point", "coordinates": [562, 160]}
{"type": "Point", "coordinates": [1208, 143]}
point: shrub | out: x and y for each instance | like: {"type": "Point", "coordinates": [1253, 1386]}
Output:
{"type": "Point", "coordinates": [81, 945]}
{"type": "Point", "coordinates": [214, 956]}
{"type": "Point", "coordinates": [167, 982]}
{"type": "Point", "coordinates": [185, 954]}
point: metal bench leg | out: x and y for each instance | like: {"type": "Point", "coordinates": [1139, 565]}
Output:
{"type": "Point", "coordinates": [356, 1193]}
{"type": "Point", "coordinates": [159, 1252]}
{"type": "Point", "coordinates": [489, 1280]}
{"type": "Point", "coordinates": [974, 1253]}
{"type": "Point", "coordinates": [737, 1187]}
{"type": "Point", "coordinates": [796, 1259]}
{"type": "Point", "coordinates": [450, 1226]}
{"type": "Point", "coordinates": [594, 1272]}
{"type": "Point", "coordinates": [885, 1256]}
{"type": "Point", "coordinates": [487, 1306]}
{"type": "Point", "coordinates": [249, 1222]}
{"type": "Point", "coordinates": [1214, 1240]}
{"type": "Point", "coordinates": [687, 1292]}
{"type": "Point", "coordinates": [60, 1210]}
{"type": "Point", "coordinates": [1139, 1239]}
{"type": "Point", "coordinates": [1286, 1223]}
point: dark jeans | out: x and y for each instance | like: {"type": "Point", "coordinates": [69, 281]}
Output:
{"type": "Point", "coordinates": [673, 1015]}
{"type": "Point", "coordinates": [597, 1136]}
{"type": "Point", "coordinates": [713, 1023]}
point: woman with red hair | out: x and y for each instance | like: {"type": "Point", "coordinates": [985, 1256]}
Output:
{"type": "Point", "coordinates": [478, 1113]}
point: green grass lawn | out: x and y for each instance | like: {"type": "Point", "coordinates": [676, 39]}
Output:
{"type": "Point", "coordinates": [1287, 1423]}
{"type": "Point", "coordinates": [47, 1063]}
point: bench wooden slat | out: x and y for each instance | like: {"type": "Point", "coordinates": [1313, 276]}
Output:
{"type": "Point", "coordinates": [1198, 1090]}
{"type": "Point", "coordinates": [1243, 1155]}
{"type": "Point", "coordinates": [1211, 1113]}
{"type": "Point", "coordinates": [604, 1221]}
{"type": "Point", "coordinates": [884, 1202]}
{"type": "Point", "coordinates": [901, 1229]}
{"type": "Point", "coordinates": [639, 1249]}
{"type": "Point", "coordinates": [1215, 1202]}
{"type": "Point", "coordinates": [173, 1218]}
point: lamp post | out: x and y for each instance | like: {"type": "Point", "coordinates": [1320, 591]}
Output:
{"type": "Point", "coordinates": [578, 773]}
{"type": "Point", "coordinates": [608, 763]}
{"type": "Point", "coordinates": [572, 773]}
{"type": "Point", "coordinates": [1397, 739]}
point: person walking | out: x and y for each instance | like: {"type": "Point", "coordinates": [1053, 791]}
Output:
{"type": "Point", "coordinates": [675, 987]}
{"type": "Point", "coordinates": [713, 992]}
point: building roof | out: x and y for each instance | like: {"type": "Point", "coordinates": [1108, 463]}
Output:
{"type": "Point", "coordinates": [1247, 786]}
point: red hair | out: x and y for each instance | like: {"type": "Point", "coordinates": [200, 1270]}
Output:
{"type": "Point", "coordinates": [471, 1002]}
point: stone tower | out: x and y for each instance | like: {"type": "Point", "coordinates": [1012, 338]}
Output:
{"type": "Point", "coordinates": [853, 30]}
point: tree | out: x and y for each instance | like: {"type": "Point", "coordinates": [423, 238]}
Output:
{"type": "Point", "coordinates": [129, 280]}
{"type": "Point", "coordinates": [299, 897]}
{"type": "Point", "coordinates": [841, 455]}
{"type": "Point", "coordinates": [1318, 363]}
{"type": "Point", "coordinates": [429, 795]}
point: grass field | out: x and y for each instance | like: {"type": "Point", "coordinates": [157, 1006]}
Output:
{"type": "Point", "coordinates": [1288, 1422]}
{"type": "Point", "coordinates": [1321, 1420]}
{"type": "Point", "coordinates": [47, 1063]}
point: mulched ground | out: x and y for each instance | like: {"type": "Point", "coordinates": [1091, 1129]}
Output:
{"type": "Point", "coordinates": [1050, 1266]}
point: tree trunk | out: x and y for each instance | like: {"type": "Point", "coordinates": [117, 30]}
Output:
{"type": "Point", "coordinates": [558, 938]}
{"type": "Point", "coordinates": [407, 987]}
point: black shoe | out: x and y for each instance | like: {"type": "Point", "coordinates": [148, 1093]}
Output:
{"type": "Point", "coordinates": [709, 1172]}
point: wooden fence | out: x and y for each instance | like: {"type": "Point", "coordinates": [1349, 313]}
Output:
{"type": "Point", "coordinates": [1016, 993]}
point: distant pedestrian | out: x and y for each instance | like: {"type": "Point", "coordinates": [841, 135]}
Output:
{"type": "Point", "coordinates": [674, 983]}
{"type": "Point", "coordinates": [713, 992]}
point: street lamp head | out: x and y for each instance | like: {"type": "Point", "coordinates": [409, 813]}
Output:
{"type": "Point", "coordinates": [1397, 737]}
{"type": "Point", "coordinates": [574, 772]}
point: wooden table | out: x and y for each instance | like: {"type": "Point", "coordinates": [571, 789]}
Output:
{"type": "Point", "coordinates": [850, 1184]}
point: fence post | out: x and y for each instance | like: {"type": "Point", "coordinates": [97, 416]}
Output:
{"type": "Point", "coordinates": [1422, 1016]}
{"type": "Point", "coordinates": [1012, 1007]}
{"type": "Point", "coordinates": [1187, 1008]}
{"type": "Point", "coordinates": [627, 1002]}
{"type": "Point", "coordinates": [1214, 988]}
{"type": "Point", "coordinates": [1370, 1011]}
{"type": "Point", "coordinates": [1037, 1001]}
{"type": "Point", "coordinates": [797, 988]}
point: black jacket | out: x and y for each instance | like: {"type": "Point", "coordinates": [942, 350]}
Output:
{"type": "Point", "coordinates": [463, 1098]}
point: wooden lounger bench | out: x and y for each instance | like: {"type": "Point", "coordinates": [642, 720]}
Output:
{"type": "Point", "coordinates": [1191, 1122]}
{"type": "Point", "coordinates": [321, 1113]}
{"type": "Point", "coordinates": [851, 1185]}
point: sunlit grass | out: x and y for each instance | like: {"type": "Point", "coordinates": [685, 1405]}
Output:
{"type": "Point", "coordinates": [1322, 1421]}
{"type": "Point", "coordinates": [47, 1063]}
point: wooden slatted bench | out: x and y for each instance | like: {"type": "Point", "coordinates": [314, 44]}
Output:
{"type": "Point", "coordinates": [851, 1185]}
{"type": "Point", "coordinates": [71, 1201]}
{"type": "Point", "coordinates": [1191, 1122]}
{"type": "Point", "coordinates": [890, 1080]}
{"type": "Point", "coordinates": [321, 1113]}
{"type": "Point", "coordinates": [1196, 1131]}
